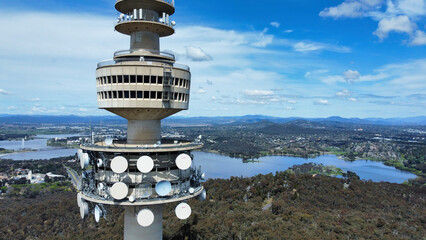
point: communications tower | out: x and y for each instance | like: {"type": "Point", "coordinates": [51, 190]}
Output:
{"type": "Point", "coordinates": [143, 85]}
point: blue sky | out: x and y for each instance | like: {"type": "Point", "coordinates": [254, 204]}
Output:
{"type": "Point", "coordinates": [351, 58]}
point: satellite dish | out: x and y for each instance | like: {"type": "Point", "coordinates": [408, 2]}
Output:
{"type": "Point", "coordinates": [163, 188]}
{"type": "Point", "coordinates": [144, 190]}
{"type": "Point", "coordinates": [101, 187]}
{"type": "Point", "coordinates": [79, 153]}
{"type": "Point", "coordinates": [145, 217]}
{"type": "Point", "coordinates": [145, 164]}
{"type": "Point", "coordinates": [79, 199]}
{"type": "Point", "coordinates": [108, 141]}
{"type": "Point", "coordinates": [183, 161]}
{"type": "Point", "coordinates": [203, 195]}
{"type": "Point", "coordinates": [98, 213]}
{"type": "Point", "coordinates": [203, 176]}
{"type": "Point", "coordinates": [191, 190]}
{"type": "Point", "coordinates": [132, 199]}
{"type": "Point", "coordinates": [84, 160]}
{"type": "Point", "coordinates": [84, 210]}
{"type": "Point", "coordinates": [100, 163]}
{"type": "Point", "coordinates": [119, 164]}
{"type": "Point", "coordinates": [173, 23]}
{"type": "Point", "coordinates": [183, 211]}
{"type": "Point", "coordinates": [161, 20]}
{"type": "Point", "coordinates": [119, 191]}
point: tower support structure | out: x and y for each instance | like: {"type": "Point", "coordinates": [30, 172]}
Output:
{"type": "Point", "coordinates": [143, 85]}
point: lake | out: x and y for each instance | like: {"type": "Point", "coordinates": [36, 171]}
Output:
{"type": "Point", "coordinates": [220, 166]}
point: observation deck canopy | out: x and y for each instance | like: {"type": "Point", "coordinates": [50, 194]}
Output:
{"type": "Point", "coordinates": [131, 26]}
{"type": "Point", "coordinates": [166, 146]}
{"type": "Point", "coordinates": [160, 6]}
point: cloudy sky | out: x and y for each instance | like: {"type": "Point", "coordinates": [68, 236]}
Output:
{"type": "Point", "coordinates": [305, 58]}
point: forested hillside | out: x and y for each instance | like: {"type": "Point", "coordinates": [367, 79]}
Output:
{"type": "Point", "coordinates": [299, 207]}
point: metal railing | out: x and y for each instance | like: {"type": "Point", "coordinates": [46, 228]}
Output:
{"type": "Point", "coordinates": [130, 51]}
{"type": "Point", "coordinates": [110, 62]}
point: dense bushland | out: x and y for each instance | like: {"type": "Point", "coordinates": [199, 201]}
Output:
{"type": "Point", "coordinates": [298, 207]}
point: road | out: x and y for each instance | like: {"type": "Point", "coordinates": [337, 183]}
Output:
{"type": "Point", "coordinates": [75, 178]}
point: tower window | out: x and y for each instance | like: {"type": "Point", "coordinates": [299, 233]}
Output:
{"type": "Point", "coordinates": [114, 94]}
{"type": "Point", "coordinates": [160, 80]}
{"type": "Point", "coordinates": [146, 95]}
{"type": "Point", "coordinates": [126, 94]}
{"type": "Point", "coordinates": [120, 79]}
{"type": "Point", "coordinates": [153, 79]}
{"type": "Point", "coordinates": [176, 96]}
{"type": "Point", "coordinates": [153, 95]}
{"type": "Point", "coordinates": [114, 79]}
{"type": "Point", "coordinates": [145, 79]}
{"type": "Point", "coordinates": [132, 94]}
{"type": "Point", "coordinates": [159, 95]}
{"type": "Point", "coordinates": [120, 94]}
{"type": "Point", "coordinates": [126, 78]}
{"type": "Point", "coordinates": [140, 79]}
{"type": "Point", "coordinates": [180, 82]}
{"type": "Point", "coordinates": [176, 81]}
{"type": "Point", "coordinates": [139, 94]}
{"type": "Point", "coordinates": [109, 79]}
{"type": "Point", "coordinates": [132, 79]}
{"type": "Point", "coordinates": [109, 95]}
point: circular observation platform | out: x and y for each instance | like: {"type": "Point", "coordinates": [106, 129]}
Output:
{"type": "Point", "coordinates": [126, 6]}
{"type": "Point", "coordinates": [130, 27]}
{"type": "Point", "coordinates": [122, 147]}
{"type": "Point", "coordinates": [143, 202]}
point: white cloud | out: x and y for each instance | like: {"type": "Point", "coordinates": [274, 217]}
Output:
{"type": "Point", "coordinates": [4, 92]}
{"type": "Point", "coordinates": [197, 54]}
{"type": "Point", "coordinates": [419, 38]}
{"type": "Point", "coordinates": [289, 108]}
{"type": "Point", "coordinates": [11, 108]}
{"type": "Point", "coordinates": [308, 46]}
{"type": "Point", "coordinates": [400, 16]}
{"type": "Point", "coordinates": [351, 76]}
{"type": "Point", "coordinates": [275, 24]}
{"type": "Point", "coordinates": [258, 93]}
{"type": "Point", "coordinates": [400, 24]}
{"type": "Point", "coordinates": [213, 98]}
{"type": "Point", "coordinates": [344, 93]}
{"type": "Point", "coordinates": [289, 31]}
{"type": "Point", "coordinates": [352, 99]}
{"type": "Point", "coordinates": [34, 99]}
{"type": "Point", "coordinates": [200, 91]}
{"type": "Point", "coordinates": [321, 102]}
{"type": "Point", "coordinates": [333, 79]}
{"type": "Point", "coordinates": [292, 101]}
{"type": "Point", "coordinates": [351, 8]}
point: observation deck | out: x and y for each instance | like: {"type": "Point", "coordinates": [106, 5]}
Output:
{"type": "Point", "coordinates": [126, 6]}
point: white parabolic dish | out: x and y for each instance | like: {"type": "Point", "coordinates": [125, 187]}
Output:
{"type": "Point", "coordinates": [84, 210]}
{"type": "Point", "coordinates": [163, 188]}
{"type": "Point", "coordinates": [98, 213]}
{"type": "Point", "coordinates": [119, 191]}
{"type": "Point", "coordinates": [145, 217]}
{"type": "Point", "coordinates": [145, 164]}
{"type": "Point", "coordinates": [79, 200]}
{"type": "Point", "coordinates": [119, 164]}
{"type": "Point", "coordinates": [84, 160]}
{"type": "Point", "coordinates": [183, 211]}
{"type": "Point", "coordinates": [183, 161]}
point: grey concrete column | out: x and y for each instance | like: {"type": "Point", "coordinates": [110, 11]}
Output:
{"type": "Point", "coordinates": [145, 40]}
{"type": "Point", "coordinates": [133, 231]}
{"type": "Point", "coordinates": [143, 131]}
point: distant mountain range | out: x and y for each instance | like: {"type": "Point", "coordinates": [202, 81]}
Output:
{"type": "Point", "coordinates": [182, 121]}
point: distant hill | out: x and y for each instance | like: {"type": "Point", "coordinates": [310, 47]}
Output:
{"type": "Point", "coordinates": [185, 121]}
